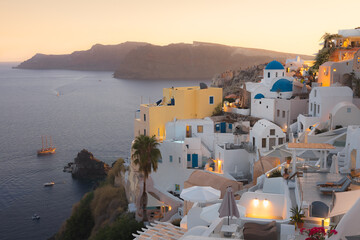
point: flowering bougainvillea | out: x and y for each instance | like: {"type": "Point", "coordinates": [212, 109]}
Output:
{"type": "Point", "coordinates": [317, 233]}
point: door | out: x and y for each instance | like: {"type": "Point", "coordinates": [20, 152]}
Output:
{"type": "Point", "coordinates": [195, 160]}
{"type": "Point", "coordinates": [188, 160]}
{"type": "Point", "coordinates": [188, 131]}
{"type": "Point", "coordinates": [272, 142]}
{"type": "Point", "coordinates": [223, 127]}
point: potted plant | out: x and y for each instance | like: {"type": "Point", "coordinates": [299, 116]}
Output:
{"type": "Point", "coordinates": [317, 233]}
{"type": "Point", "coordinates": [297, 217]}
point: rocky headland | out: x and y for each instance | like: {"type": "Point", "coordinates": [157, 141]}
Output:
{"type": "Point", "coordinates": [139, 60]}
{"type": "Point", "coordinates": [86, 166]}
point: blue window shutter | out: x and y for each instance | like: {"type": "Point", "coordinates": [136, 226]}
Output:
{"type": "Point", "coordinates": [211, 99]}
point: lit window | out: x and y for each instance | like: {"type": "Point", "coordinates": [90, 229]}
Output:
{"type": "Point", "coordinates": [334, 69]}
{"type": "Point", "coordinates": [211, 100]}
{"type": "Point", "coordinates": [263, 143]}
{"type": "Point", "coordinates": [348, 110]}
{"type": "Point", "coordinates": [272, 131]}
{"type": "Point", "coordinates": [170, 158]}
{"type": "Point", "coordinates": [358, 60]}
{"type": "Point", "coordinates": [200, 128]}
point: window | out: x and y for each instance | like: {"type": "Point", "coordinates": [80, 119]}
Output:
{"type": "Point", "coordinates": [179, 159]}
{"type": "Point", "coordinates": [276, 74]}
{"type": "Point", "coordinates": [211, 100]}
{"type": "Point", "coordinates": [272, 131]}
{"type": "Point", "coordinates": [283, 74]}
{"type": "Point", "coordinates": [281, 141]}
{"type": "Point", "coordinates": [144, 117]}
{"type": "Point", "coordinates": [358, 60]}
{"type": "Point", "coordinates": [315, 93]}
{"type": "Point", "coordinates": [263, 143]}
{"type": "Point", "coordinates": [310, 106]}
{"type": "Point", "coordinates": [268, 75]}
{"type": "Point", "coordinates": [334, 69]}
{"type": "Point", "coordinates": [283, 114]}
{"type": "Point", "coordinates": [278, 113]}
{"type": "Point", "coordinates": [200, 128]}
{"type": "Point", "coordinates": [348, 110]}
{"type": "Point", "coordinates": [144, 132]}
{"type": "Point", "coordinates": [170, 158]}
{"type": "Point", "coordinates": [318, 109]}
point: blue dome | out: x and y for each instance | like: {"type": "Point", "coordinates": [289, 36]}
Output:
{"type": "Point", "coordinates": [274, 65]}
{"type": "Point", "coordinates": [282, 85]}
{"type": "Point", "coordinates": [259, 96]}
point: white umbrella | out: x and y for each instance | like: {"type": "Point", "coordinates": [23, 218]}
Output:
{"type": "Point", "coordinates": [334, 165]}
{"type": "Point", "coordinates": [211, 213]}
{"type": "Point", "coordinates": [200, 194]}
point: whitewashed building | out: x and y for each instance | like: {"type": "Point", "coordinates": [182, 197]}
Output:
{"type": "Point", "coordinates": [265, 135]}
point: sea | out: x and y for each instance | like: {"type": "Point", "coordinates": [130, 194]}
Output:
{"type": "Point", "coordinates": [79, 110]}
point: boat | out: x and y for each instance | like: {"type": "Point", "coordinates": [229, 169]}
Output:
{"type": "Point", "coordinates": [45, 149]}
{"type": "Point", "coordinates": [35, 217]}
{"type": "Point", "coordinates": [49, 184]}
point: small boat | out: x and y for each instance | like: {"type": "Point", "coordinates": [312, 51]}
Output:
{"type": "Point", "coordinates": [45, 149]}
{"type": "Point", "coordinates": [49, 184]}
{"type": "Point", "coordinates": [35, 217]}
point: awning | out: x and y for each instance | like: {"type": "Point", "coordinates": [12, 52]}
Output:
{"type": "Point", "coordinates": [344, 201]}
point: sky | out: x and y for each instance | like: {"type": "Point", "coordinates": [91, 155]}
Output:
{"type": "Point", "coordinates": [28, 27]}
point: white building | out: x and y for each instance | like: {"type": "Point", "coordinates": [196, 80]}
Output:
{"type": "Point", "coordinates": [265, 134]}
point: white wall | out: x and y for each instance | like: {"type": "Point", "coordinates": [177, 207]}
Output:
{"type": "Point", "coordinates": [345, 118]}
{"type": "Point", "coordinates": [327, 98]}
{"type": "Point", "coordinates": [263, 108]}
{"type": "Point", "coordinates": [353, 142]}
{"type": "Point", "coordinates": [171, 173]}
{"type": "Point", "coordinates": [259, 132]}
{"type": "Point", "coordinates": [234, 160]}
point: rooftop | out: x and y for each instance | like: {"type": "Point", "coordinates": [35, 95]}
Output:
{"type": "Point", "coordinates": [318, 146]}
{"type": "Point", "coordinates": [274, 65]}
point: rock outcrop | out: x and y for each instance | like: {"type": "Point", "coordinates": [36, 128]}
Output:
{"type": "Point", "coordinates": [134, 60]}
{"type": "Point", "coordinates": [86, 166]}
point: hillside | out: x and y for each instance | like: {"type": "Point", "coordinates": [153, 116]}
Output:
{"type": "Point", "coordinates": [133, 60]}
{"type": "Point", "coordinates": [98, 58]}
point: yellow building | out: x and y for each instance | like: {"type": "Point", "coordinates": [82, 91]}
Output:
{"type": "Point", "coordinates": [177, 103]}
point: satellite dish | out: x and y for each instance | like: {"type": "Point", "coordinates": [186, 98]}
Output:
{"type": "Point", "coordinates": [203, 86]}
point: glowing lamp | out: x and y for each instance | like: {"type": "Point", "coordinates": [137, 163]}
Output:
{"type": "Point", "coordinates": [256, 202]}
{"type": "Point", "coordinates": [266, 202]}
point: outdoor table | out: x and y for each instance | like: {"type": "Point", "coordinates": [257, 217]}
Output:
{"type": "Point", "coordinates": [228, 230]}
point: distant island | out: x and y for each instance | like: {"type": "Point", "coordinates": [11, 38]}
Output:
{"type": "Point", "coordinates": [140, 60]}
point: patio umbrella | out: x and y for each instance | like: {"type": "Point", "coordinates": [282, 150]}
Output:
{"type": "Point", "coordinates": [228, 205]}
{"type": "Point", "coordinates": [200, 194]}
{"type": "Point", "coordinates": [210, 213]}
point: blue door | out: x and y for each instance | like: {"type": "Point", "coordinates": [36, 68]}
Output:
{"type": "Point", "coordinates": [194, 160]}
{"type": "Point", "coordinates": [223, 127]}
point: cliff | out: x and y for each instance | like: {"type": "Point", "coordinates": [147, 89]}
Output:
{"type": "Point", "coordinates": [86, 166]}
{"type": "Point", "coordinates": [132, 60]}
{"type": "Point", "coordinates": [98, 58]}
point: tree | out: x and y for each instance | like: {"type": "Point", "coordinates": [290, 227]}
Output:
{"type": "Point", "coordinates": [328, 39]}
{"type": "Point", "coordinates": [146, 155]}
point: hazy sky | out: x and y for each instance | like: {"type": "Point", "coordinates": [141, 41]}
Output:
{"type": "Point", "coordinates": [63, 26]}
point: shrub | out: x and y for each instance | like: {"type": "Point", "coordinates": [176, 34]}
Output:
{"type": "Point", "coordinates": [275, 173]}
{"type": "Point", "coordinates": [218, 110]}
{"type": "Point", "coordinates": [122, 229]}
{"type": "Point", "coordinates": [79, 225]}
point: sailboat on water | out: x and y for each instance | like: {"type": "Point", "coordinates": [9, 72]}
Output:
{"type": "Point", "coordinates": [45, 149]}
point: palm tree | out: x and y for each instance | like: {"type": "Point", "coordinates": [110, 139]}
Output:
{"type": "Point", "coordinates": [146, 155]}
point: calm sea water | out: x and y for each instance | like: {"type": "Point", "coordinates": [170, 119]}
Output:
{"type": "Point", "coordinates": [79, 110]}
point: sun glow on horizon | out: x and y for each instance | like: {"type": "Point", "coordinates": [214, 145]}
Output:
{"type": "Point", "coordinates": [61, 27]}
